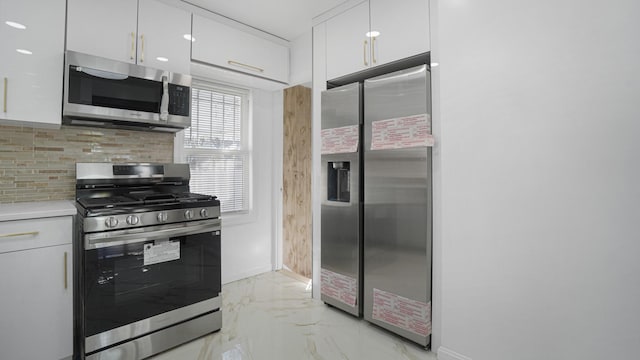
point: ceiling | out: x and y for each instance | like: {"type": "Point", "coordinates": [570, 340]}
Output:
{"type": "Point", "coordinates": [287, 19]}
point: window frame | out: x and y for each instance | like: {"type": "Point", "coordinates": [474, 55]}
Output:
{"type": "Point", "coordinates": [246, 147]}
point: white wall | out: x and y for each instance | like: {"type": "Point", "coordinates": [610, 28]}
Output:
{"type": "Point", "coordinates": [250, 242]}
{"type": "Point", "coordinates": [319, 85]}
{"type": "Point", "coordinates": [436, 168]}
{"type": "Point", "coordinates": [247, 242]}
{"type": "Point", "coordinates": [539, 123]}
{"type": "Point", "coordinates": [301, 58]}
{"type": "Point", "coordinates": [277, 137]}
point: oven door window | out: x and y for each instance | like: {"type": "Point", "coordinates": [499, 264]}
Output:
{"type": "Point", "coordinates": [101, 88]}
{"type": "Point", "coordinates": [120, 289]}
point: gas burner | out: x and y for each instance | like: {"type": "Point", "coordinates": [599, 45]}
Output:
{"type": "Point", "coordinates": [115, 197]}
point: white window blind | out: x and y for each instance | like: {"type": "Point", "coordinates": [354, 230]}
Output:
{"type": "Point", "coordinates": [216, 145]}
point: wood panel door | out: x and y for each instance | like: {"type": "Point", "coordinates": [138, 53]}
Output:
{"type": "Point", "coordinates": [296, 181]}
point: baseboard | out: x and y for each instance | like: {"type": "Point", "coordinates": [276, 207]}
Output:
{"type": "Point", "coordinates": [245, 274]}
{"type": "Point", "coordinates": [446, 354]}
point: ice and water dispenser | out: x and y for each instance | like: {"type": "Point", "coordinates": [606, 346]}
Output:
{"type": "Point", "coordinates": [338, 181]}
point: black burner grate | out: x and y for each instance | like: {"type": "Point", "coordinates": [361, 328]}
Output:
{"type": "Point", "coordinates": [108, 202]}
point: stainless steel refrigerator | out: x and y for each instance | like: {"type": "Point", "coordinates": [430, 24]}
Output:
{"type": "Point", "coordinates": [341, 208]}
{"type": "Point", "coordinates": [383, 248]}
{"type": "Point", "coordinates": [397, 203]}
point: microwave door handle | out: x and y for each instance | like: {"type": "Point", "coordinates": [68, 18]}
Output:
{"type": "Point", "coordinates": [164, 102]}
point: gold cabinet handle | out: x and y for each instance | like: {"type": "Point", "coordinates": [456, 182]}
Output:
{"type": "Point", "coordinates": [133, 45]}
{"type": "Point", "coordinates": [5, 94]}
{"type": "Point", "coordinates": [142, 48]}
{"type": "Point", "coordinates": [373, 49]}
{"type": "Point", "coordinates": [364, 51]}
{"type": "Point", "coordinates": [254, 68]}
{"type": "Point", "coordinates": [34, 233]}
{"type": "Point", "coordinates": [65, 271]}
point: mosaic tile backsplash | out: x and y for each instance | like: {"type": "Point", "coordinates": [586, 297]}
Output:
{"type": "Point", "coordinates": [39, 164]}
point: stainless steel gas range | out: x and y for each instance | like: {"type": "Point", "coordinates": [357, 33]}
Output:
{"type": "Point", "coordinates": [147, 260]}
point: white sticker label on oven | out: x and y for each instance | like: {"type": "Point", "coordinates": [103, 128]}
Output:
{"type": "Point", "coordinates": [162, 252]}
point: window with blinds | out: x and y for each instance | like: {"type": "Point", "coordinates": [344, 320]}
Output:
{"type": "Point", "coordinates": [216, 145]}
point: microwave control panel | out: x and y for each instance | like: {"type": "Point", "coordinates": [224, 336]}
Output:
{"type": "Point", "coordinates": [179, 100]}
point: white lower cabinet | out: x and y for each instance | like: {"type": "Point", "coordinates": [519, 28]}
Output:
{"type": "Point", "coordinates": [36, 300]}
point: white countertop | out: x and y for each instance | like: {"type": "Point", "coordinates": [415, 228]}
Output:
{"type": "Point", "coordinates": [36, 209]}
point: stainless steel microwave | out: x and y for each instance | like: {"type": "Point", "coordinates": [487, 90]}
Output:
{"type": "Point", "coordinates": [108, 93]}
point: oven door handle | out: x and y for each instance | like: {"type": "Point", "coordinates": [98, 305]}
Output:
{"type": "Point", "coordinates": [107, 239]}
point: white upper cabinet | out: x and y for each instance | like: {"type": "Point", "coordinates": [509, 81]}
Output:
{"type": "Point", "coordinates": [348, 48]}
{"type": "Point", "coordinates": [374, 33]}
{"type": "Point", "coordinates": [103, 28]}
{"type": "Point", "coordinates": [164, 37]}
{"type": "Point", "coordinates": [144, 32]}
{"type": "Point", "coordinates": [399, 29]}
{"type": "Point", "coordinates": [225, 46]}
{"type": "Point", "coordinates": [31, 58]}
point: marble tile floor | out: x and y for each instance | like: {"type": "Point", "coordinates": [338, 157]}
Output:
{"type": "Point", "coordinates": [272, 317]}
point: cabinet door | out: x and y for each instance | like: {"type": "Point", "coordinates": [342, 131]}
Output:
{"type": "Point", "coordinates": [228, 47]}
{"type": "Point", "coordinates": [19, 235]}
{"type": "Point", "coordinates": [36, 303]}
{"type": "Point", "coordinates": [32, 61]}
{"type": "Point", "coordinates": [103, 28]}
{"type": "Point", "coordinates": [348, 47]}
{"type": "Point", "coordinates": [403, 28]}
{"type": "Point", "coordinates": [161, 37]}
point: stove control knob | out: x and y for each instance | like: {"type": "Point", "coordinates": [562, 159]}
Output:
{"type": "Point", "coordinates": [188, 214]}
{"type": "Point", "coordinates": [162, 217]}
{"type": "Point", "coordinates": [204, 213]}
{"type": "Point", "coordinates": [111, 222]}
{"type": "Point", "coordinates": [132, 220]}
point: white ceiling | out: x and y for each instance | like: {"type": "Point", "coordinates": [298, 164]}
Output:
{"type": "Point", "coordinates": [287, 19]}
